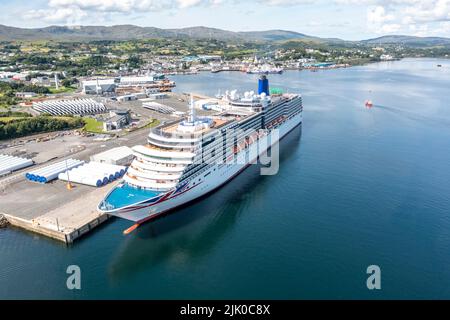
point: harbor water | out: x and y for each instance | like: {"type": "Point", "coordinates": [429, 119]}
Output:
{"type": "Point", "coordinates": [356, 187]}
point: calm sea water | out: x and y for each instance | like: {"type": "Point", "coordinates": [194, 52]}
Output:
{"type": "Point", "coordinates": [356, 187]}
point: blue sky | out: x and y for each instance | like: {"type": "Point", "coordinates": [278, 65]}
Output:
{"type": "Point", "coordinates": [347, 19]}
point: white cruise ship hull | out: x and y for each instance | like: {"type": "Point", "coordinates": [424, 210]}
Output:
{"type": "Point", "coordinates": [214, 178]}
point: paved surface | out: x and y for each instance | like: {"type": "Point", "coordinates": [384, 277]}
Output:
{"type": "Point", "coordinates": [73, 214]}
{"type": "Point", "coordinates": [29, 200]}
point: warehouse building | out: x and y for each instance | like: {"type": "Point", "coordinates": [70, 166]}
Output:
{"type": "Point", "coordinates": [25, 95]}
{"type": "Point", "coordinates": [99, 86]}
{"type": "Point", "coordinates": [121, 156]}
{"type": "Point", "coordinates": [119, 119]}
{"type": "Point", "coordinates": [136, 81]}
{"type": "Point", "coordinates": [72, 107]}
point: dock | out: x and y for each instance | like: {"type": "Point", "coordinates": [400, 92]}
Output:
{"type": "Point", "coordinates": [51, 209]}
{"type": "Point", "coordinates": [64, 215]}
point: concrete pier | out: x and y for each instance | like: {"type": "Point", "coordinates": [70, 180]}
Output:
{"type": "Point", "coordinates": [3, 221]}
{"type": "Point", "coordinates": [52, 210]}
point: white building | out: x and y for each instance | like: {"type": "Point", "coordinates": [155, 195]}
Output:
{"type": "Point", "coordinates": [386, 57]}
{"type": "Point", "coordinates": [135, 81]}
{"type": "Point", "coordinates": [43, 81]}
{"type": "Point", "coordinates": [25, 95]}
{"type": "Point", "coordinates": [122, 156]}
{"type": "Point", "coordinates": [118, 119]}
{"type": "Point", "coordinates": [72, 107]}
{"type": "Point", "coordinates": [99, 86]}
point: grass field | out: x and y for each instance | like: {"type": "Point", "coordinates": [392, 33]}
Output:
{"type": "Point", "coordinates": [62, 90]}
{"type": "Point", "coordinates": [152, 124]}
{"type": "Point", "coordinates": [93, 125]}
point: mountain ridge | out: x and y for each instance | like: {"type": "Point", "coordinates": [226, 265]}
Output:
{"type": "Point", "coordinates": [131, 32]}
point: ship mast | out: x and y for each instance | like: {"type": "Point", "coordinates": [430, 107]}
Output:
{"type": "Point", "coordinates": [191, 118]}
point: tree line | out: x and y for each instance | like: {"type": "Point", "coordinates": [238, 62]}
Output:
{"type": "Point", "coordinates": [27, 126]}
{"type": "Point", "coordinates": [8, 91]}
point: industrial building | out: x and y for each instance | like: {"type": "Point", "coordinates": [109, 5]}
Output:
{"type": "Point", "coordinates": [25, 95]}
{"type": "Point", "coordinates": [99, 86]}
{"type": "Point", "coordinates": [46, 81]}
{"type": "Point", "coordinates": [136, 81]}
{"type": "Point", "coordinates": [131, 97]}
{"type": "Point", "coordinates": [118, 120]}
{"type": "Point", "coordinates": [72, 107]}
{"type": "Point", "coordinates": [208, 58]}
{"type": "Point", "coordinates": [121, 156]}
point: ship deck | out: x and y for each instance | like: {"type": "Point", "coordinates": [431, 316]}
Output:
{"type": "Point", "coordinates": [125, 195]}
{"type": "Point", "coordinates": [172, 128]}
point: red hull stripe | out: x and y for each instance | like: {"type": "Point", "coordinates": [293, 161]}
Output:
{"type": "Point", "coordinates": [232, 177]}
{"type": "Point", "coordinates": [183, 204]}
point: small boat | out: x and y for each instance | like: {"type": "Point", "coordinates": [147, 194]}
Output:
{"type": "Point", "coordinates": [439, 65]}
{"type": "Point", "coordinates": [369, 104]}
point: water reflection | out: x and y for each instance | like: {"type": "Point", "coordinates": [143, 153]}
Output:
{"type": "Point", "coordinates": [194, 231]}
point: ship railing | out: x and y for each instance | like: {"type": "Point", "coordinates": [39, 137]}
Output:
{"type": "Point", "coordinates": [173, 135]}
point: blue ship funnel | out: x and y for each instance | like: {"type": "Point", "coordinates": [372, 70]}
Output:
{"type": "Point", "coordinates": [263, 85]}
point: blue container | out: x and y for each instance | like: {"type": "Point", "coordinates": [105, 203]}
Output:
{"type": "Point", "coordinates": [105, 181]}
{"type": "Point", "coordinates": [99, 183]}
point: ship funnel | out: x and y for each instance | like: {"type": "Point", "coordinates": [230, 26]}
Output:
{"type": "Point", "coordinates": [263, 85]}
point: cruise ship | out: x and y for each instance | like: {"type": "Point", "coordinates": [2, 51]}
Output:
{"type": "Point", "coordinates": [186, 159]}
{"type": "Point", "coordinates": [265, 69]}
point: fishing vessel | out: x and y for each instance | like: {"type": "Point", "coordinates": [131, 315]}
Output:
{"type": "Point", "coordinates": [186, 159]}
{"type": "Point", "coordinates": [265, 69]}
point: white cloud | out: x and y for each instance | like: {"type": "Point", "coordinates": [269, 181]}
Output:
{"type": "Point", "coordinates": [286, 2]}
{"type": "Point", "coordinates": [70, 15]}
{"type": "Point", "coordinates": [420, 16]}
{"type": "Point", "coordinates": [188, 3]}
{"type": "Point", "coordinates": [378, 15]}
{"type": "Point", "coordinates": [65, 11]}
{"type": "Point", "coordinates": [383, 16]}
